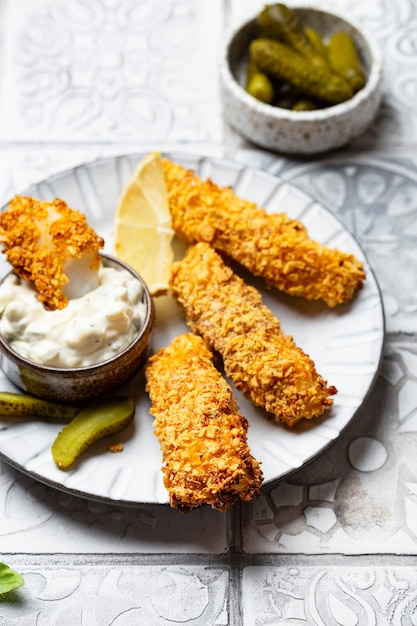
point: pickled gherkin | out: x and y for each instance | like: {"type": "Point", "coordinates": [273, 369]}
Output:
{"type": "Point", "coordinates": [316, 41]}
{"type": "Point", "coordinates": [101, 419]}
{"type": "Point", "coordinates": [278, 22]}
{"type": "Point", "coordinates": [292, 66]}
{"type": "Point", "coordinates": [279, 61]}
{"type": "Point", "coordinates": [260, 87]}
{"type": "Point", "coordinates": [258, 84]}
{"type": "Point", "coordinates": [305, 104]}
{"type": "Point", "coordinates": [20, 405]}
{"type": "Point", "coordinates": [344, 60]}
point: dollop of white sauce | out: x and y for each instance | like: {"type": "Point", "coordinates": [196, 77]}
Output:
{"type": "Point", "coordinates": [90, 329]}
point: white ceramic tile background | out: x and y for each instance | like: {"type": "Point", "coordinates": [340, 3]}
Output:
{"type": "Point", "coordinates": [122, 594]}
{"type": "Point", "coordinates": [102, 71]}
{"type": "Point", "coordinates": [329, 594]}
{"type": "Point", "coordinates": [336, 542]}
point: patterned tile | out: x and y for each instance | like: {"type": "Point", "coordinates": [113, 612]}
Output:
{"type": "Point", "coordinates": [119, 594]}
{"type": "Point", "coordinates": [327, 595]}
{"type": "Point", "coordinates": [23, 166]}
{"type": "Point", "coordinates": [108, 71]}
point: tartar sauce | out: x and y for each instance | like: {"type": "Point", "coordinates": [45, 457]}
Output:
{"type": "Point", "coordinates": [90, 329]}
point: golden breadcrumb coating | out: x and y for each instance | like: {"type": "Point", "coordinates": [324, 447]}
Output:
{"type": "Point", "coordinates": [273, 246]}
{"type": "Point", "coordinates": [203, 437]}
{"type": "Point", "coordinates": [41, 238]}
{"type": "Point", "coordinates": [264, 364]}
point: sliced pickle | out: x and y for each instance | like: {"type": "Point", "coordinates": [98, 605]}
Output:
{"type": "Point", "coordinates": [101, 419]}
{"type": "Point", "coordinates": [19, 405]}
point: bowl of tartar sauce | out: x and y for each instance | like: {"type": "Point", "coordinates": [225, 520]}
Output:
{"type": "Point", "coordinates": [92, 346]}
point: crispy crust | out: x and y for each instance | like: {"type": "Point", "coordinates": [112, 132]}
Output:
{"type": "Point", "coordinates": [39, 237]}
{"type": "Point", "coordinates": [203, 437]}
{"type": "Point", "coordinates": [264, 364]}
{"type": "Point", "coordinates": [273, 246]}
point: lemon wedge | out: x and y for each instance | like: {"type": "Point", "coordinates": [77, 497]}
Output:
{"type": "Point", "coordinates": [142, 229]}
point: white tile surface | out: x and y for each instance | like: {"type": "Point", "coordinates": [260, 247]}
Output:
{"type": "Point", "coordinates": [108, 71]}
{"type": "Point", "coordinates": [125, 595]}
{"type": "Point", "coordinates": [327, 594]}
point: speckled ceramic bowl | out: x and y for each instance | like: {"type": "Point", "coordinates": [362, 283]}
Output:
{"type": "Point", "coordinates": [300, 132]}
{"type": "Point", "coordinates": [77, 384]}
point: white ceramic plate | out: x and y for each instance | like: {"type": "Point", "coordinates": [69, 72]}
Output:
{"type": "Point", "coordinates": [345, 343]}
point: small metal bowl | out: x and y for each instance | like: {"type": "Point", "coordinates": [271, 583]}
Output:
{"type": "Point", "coordinates": [82, 383]}
{"type": "Point", "coordinates": [300, 132]}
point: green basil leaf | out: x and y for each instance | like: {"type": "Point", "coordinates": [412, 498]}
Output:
{"type": "Point", "coordinates": [9, 579]}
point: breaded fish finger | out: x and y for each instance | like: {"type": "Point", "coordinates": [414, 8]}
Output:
{"type": "Point", "coordinates": [273, 246]}
{"type": "Point", "coordinates": [202, 435]}
{"type": "Point", "coordinates": [264, 364]}
{"type": "Point", "coordinates": [52, 246]}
